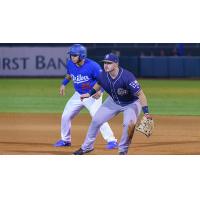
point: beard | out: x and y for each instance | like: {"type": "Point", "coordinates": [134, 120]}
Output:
{"type": "Point", "coordinates": [108, 69]}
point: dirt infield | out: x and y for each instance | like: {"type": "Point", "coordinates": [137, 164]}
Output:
{"type": "Point", "coordinates": [36, 133]}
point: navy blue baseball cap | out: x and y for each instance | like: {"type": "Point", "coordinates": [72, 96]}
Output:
{"type": "Point", "coordinates": [111, 57]}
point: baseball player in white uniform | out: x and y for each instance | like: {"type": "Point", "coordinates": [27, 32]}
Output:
{"type": "Point", "coordinates": [83, 72]}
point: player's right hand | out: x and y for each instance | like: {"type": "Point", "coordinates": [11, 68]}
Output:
{"type": "Point", "coordinates": [83, 96]}
{"type": "Point", "coordinates": [62, 90]}
{"type": "Point", "coordinates": [97, 95]}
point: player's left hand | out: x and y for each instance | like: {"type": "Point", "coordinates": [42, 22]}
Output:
{"type": "Point", "coordinates": [146, 125]}
{"type": "Point", "coordinates": [148, 116]}
{"type": "Point", "coordinates": [97, 95]}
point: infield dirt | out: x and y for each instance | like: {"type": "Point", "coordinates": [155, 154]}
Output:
{"type": "Point", "coordinates": [35, 134]}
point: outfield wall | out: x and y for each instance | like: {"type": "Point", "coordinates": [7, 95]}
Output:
{"type": "Point", "coordinates": [32, 61]}
{"type": "Point", "coordinates": [172, 67]}
{"type": "Point", "coordinates": [162, 66]}
{"type": "Point", "coordinates": [50, 62]}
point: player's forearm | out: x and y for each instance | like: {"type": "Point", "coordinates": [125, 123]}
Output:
{"type": "Point", "coordinates": [66, 80]}
{"type": "Point", "coordinates": [95, 89]}
{"type": "Point", "coordinates": [143, 101]}
{"type": "Point", "coordinates": [142, 98]}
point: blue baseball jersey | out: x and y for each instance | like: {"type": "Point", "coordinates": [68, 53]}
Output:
{"type": "Point", "coordinates": [122, 89]}
{"type": "Point", "coordinates": [84, 77]}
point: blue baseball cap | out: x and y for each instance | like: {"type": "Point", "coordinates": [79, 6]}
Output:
{"type": "Point", "coordinates": [111, 57]}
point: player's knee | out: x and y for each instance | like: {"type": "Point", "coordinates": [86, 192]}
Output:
{"type": "Point", "coordinates": [65, 117]}
{"type": "Point", "coordinates": [128, 123]}
{"type": "Point", "coordinates": [125, 126]}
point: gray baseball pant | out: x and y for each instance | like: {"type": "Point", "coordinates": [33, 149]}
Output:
{"type": "Point", "coordinates": [107, 111]}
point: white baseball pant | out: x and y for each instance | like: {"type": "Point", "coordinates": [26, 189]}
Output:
{"type": "Point", "coordinates": [73, 107]}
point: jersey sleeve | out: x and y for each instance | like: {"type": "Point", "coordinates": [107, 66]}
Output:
{"type": "Point", "coordinates": [133, 84]}
{"type": "Point", "coordinates": [96, 71]}
{"type": "Point", "coordinates": [99, 78]}
{"type": "Point", "coordinates": [66, 80]}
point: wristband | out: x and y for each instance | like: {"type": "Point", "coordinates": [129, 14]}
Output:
{"type": "Point", "coordinates": [65, 82]}
{"type": "Point", "coordinates": [92, 92]}
{"type": "Point", "coordinates": [145, 109]}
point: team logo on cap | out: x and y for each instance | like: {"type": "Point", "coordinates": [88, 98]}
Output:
{"type": "Point", "coordinates": [107, 56]}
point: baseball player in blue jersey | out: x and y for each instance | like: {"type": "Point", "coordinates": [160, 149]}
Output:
{"type": "Point", "coordinates": [125, 95]}
{"type": "Point", "coordinates": [83, 73]}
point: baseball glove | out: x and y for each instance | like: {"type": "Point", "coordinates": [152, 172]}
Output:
{"type": "Point", "coordinates": [131, 129]}
{"type": "Point", "coordinates": [146, 126]}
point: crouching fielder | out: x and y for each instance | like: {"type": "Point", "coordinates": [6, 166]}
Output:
{"type": "Point", "coordinates": [125, 95]}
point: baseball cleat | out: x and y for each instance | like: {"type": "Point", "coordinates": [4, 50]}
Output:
{"type": "Point", "coordinates": [62, 143]}
{"type": "Point", "coordinates": [82, 152]}
{"type": "Point", "coordinates": [112, 145]}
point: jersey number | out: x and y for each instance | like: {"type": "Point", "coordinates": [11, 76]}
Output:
{"type": "Point", "coordinates": [85, 86]}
